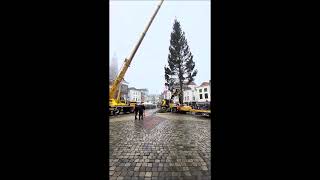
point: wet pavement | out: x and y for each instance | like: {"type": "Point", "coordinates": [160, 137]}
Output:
{"type": "Point", "coordinates": [162, 146]}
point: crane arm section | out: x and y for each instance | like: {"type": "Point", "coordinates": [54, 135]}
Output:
{"type": "Point", "coordinates": [128, 60]}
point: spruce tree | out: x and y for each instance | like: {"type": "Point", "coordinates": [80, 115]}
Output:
{"type": "Point", "coordinates": [180, 70]}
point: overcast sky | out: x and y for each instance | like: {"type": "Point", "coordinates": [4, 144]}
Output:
{"type": "Point", "coordinates": [128, 19]}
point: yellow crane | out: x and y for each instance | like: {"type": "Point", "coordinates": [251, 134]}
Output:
{"type": "Point", "coordinates": [115, 105]}
{"type": "Point", "coordinates": [168, 104]}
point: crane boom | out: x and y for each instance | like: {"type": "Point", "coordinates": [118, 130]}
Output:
{"type": "Point", "coordinates": [128, 60]}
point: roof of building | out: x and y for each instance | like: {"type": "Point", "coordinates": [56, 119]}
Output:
{"type": "Point", "coordinates": [204, 84]}
{"type": "Point", "coordinates": [132, 88]}
{"type": "Point", "coordinates": [144, 89]}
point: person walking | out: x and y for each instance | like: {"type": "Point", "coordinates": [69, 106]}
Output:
{"type": "Point", "coordinates": [142, 108]}
{"type": "Point", "coordinates": [136, 110]}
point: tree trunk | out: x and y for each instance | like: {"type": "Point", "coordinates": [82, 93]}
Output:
{"type": "Point", "coordinates": [181, 93]}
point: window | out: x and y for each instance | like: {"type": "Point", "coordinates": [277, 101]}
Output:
{"type": "Point", "coordinates": [200, 96]}
{"type": "Point", "coordinates": [206, 95]}
{"type": "Point", "coordinates": [194, 98]}
{"type": "Point", "coordinates": [200, 90]}
{"type": "Point", "coordinates": [205, 89]}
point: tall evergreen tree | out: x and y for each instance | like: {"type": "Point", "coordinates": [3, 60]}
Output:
{"type": "Point", "coordinates": [180, 70]}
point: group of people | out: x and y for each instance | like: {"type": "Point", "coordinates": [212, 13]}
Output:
{"type": "Point", "coordinates": [139, 108]}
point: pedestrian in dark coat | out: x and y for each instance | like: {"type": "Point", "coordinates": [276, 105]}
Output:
{"type": "Point", "coordinates": [142, 108]}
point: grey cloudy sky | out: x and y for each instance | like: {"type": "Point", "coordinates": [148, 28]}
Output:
{"type": "Point", "coordinates": [129, 18]}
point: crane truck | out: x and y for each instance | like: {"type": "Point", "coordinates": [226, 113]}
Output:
{"type": "Point", "coordinates": [115, 105]}
{"type": "Point", "coordinates": [169, 105]}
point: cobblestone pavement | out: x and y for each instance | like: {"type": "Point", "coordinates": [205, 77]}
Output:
{"type": "Point", "coordinates": [162, 146]}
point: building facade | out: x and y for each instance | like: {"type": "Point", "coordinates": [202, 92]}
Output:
{"type": "Point", "coordinates": [152, 98]}
{"type": "Point", "coordinates": [138, 95]}
{"type": "Point", "coordinates": [204, 93]}
{"type": "Point", "coordinates": [144, 94]}
{"type": "Point", "coordinates": [134, 94]}
{"type": "Point", "coordinates": [124, 93]}
{"type": "Point", "coordinates": [192, 94]}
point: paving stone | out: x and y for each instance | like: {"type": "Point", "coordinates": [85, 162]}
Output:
{"type": "Point", "coordinates": [154, 169]}
{"type": "Point", "coordinates": [116, 173]}
{"type": "Point", "coordinates": [130, 173]}
{"type": "Point", "coordinates": [205, 173]}
{"type": "Point", "coordinates": [163, 143]}
{"type": "Point", "coordinates": [155, 173]}
{"type": "Point", "coordinates": [196, 173]}
{"type": "Point", "coordinates": [123, 173]}
{"type": "Point", "coordinates": [174, 173]}
{"type": "Point", "coordinates": [185, 169]}
{"type": "Point", "coordinates": [142, 174]}
{"type": "Point", "coordinates": [133, 164]}
{"type": "Point", "coordinates": [183, 164]}
{"type": "Point", "coordinates": [168, 174]}
{"type": "Point", "coordinates": [148, 174]}
{"type": "Point", "coordinates": [138, 164]}
{"type": "Point", "coordinates": [127, 164]}
{"type": "Point", "coordinates": [190, 178]}
{"type": "Point", "coordinates": [204, 168]}
{"type": "Point", "coordinates": [187, 173]}
{"type": "Point", "coordinates": [205, 178]}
